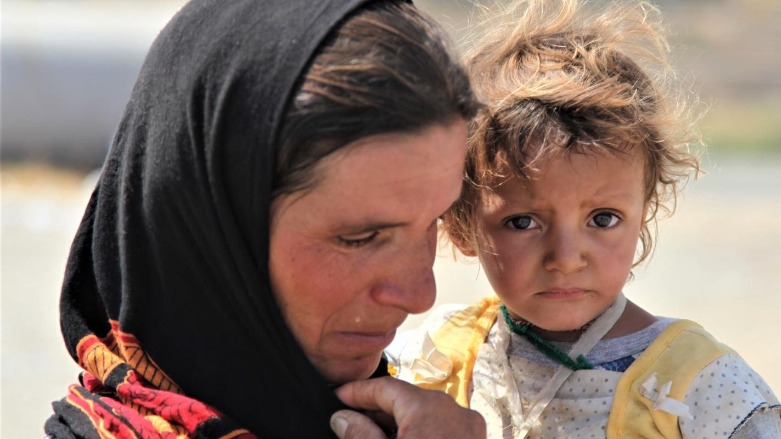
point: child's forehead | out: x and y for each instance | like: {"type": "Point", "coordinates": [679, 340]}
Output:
{"type": "Point", "coordinates": [534, 161]}
{"type": "Point", "coordinates": [567, 177]}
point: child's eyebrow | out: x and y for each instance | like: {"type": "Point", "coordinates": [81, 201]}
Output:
{"type": "Point", "coordinates": [614, 193]}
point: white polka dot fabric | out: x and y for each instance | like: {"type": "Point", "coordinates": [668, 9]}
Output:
{"type": "Point", "coordinates": [722, 396]}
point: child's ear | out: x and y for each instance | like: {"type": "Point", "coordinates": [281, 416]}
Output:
{"type": "Point", "coordinates": [464, 246]}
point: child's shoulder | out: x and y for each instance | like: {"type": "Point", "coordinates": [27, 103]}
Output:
{"type": "Point", "coordinates": [718, 388]}
{"type": "Point", "coordinates": [677, 355]}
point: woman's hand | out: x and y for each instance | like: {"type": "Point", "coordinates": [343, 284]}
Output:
{"type": "Point", "coordinates": [411, 411]}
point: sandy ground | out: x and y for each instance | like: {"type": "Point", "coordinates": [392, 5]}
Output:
{"type": "Point", "coordinates": [717, 263]}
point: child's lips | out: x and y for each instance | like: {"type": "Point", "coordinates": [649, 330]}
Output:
{"type": "Point", "coordinates": [563, 293]}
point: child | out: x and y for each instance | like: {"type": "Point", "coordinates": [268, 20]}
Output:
{"type": "Point", "coordinates": [578, 148]}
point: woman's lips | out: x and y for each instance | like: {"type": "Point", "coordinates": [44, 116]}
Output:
{"type": "Point", "coordinates": [367, 341]}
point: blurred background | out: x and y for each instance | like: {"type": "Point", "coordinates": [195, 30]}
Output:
{"type": "Point", "coordinates": [67, 70]}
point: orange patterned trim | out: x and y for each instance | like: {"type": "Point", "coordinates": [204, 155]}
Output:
{"type": "Point", "coordinates": [99, 357]}
{"type": "Point", "coordinates": [129, 348]}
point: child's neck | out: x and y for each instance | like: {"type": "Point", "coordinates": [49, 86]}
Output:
{"type": "Point", "coordinates": [633, 319]}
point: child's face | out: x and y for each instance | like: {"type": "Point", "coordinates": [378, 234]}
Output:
{"type": "Point", "coordinates": [558, 248]}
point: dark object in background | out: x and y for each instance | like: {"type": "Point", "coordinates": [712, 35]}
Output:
{"type": "Point", "coordinates": [67, 72]}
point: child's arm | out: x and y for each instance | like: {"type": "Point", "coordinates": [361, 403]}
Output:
{"type": "Point", "coordinates": [730, 399]}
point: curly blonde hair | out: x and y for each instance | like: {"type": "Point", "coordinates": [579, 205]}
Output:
{"type": "Point", "coordinates": [554, 76]}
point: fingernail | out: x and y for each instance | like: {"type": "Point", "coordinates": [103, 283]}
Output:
{"type": "Point", "coordinates": [339, 425]}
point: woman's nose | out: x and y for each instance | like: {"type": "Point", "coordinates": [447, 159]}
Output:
{"type": "Point", "coordinates": [565, 253]}
{"type": "Point", "coordinates": [413, 293]}
{"type": "Point", "coordinates": [409, 282]}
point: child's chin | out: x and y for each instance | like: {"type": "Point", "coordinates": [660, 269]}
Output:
{"type": "Point", "coordinates": [566, 326]}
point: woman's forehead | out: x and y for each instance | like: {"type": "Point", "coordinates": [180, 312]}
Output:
{"type": "Point", "coordinates": [391, 172]}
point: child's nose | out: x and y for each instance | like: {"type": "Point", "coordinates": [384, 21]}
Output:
{"type": "Point", "coordinates": [565, 253]}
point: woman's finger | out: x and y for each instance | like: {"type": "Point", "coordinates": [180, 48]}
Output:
{"type": "Point", "coordinates": [348, 424]}
{"type": "Point", "coordinates": [375, 394]}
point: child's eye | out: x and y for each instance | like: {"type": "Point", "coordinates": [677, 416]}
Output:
{"type": "Point", "coordinates": [522, 222]}
{"type": "Point", "coordinates": [604, 220]}
{"type": "Point", "coordinates": [359, 240]}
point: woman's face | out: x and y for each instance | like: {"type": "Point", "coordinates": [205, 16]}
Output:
{"type": "Point", "coordinates": [351, 257]}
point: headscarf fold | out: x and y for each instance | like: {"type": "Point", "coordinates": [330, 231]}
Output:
{"type": "Point", "coordinates": [166, 301]}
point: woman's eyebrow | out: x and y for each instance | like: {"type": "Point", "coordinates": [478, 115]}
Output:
{"type": "Point", "coordinates": [369, 227]}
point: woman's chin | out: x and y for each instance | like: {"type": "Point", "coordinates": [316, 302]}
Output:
{"type": "Point", "coordinates": [342, 372]}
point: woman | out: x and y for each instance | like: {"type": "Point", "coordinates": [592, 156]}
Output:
{"type": "Point", "coordinates": [264, 221]}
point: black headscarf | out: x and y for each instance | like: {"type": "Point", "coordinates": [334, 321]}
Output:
{"type": "Point", "coordinates": [174, 242]}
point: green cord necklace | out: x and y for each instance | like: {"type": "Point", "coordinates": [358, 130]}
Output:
{"type": "Point", "coordinates": [549, 349]}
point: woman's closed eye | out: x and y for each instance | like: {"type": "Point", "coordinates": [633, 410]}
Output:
{"type": "Point", "coordinates": [522, 222]}
{"type": "Point", "coordinates": [358, 240]}
{"type": "Point", "coordinates": [604, 220]}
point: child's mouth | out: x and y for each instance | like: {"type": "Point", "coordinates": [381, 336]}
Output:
{"type": "Point", "coordinates": [563, 293]}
